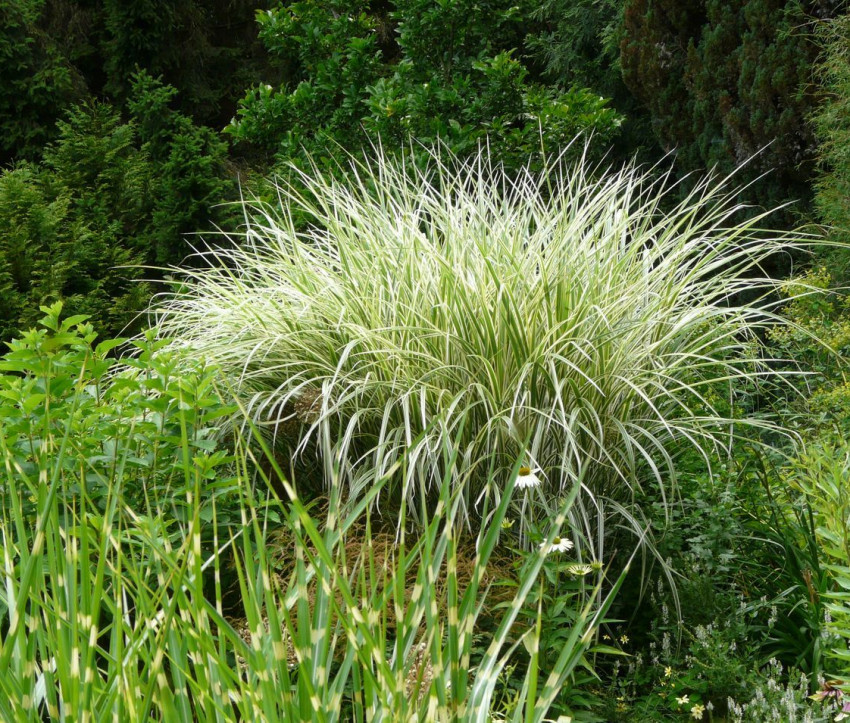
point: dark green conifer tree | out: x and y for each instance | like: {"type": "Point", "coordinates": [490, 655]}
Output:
{"type": "Point", "coordinates": [108, 198]}
{"type": "Point", "coordinates": [725, 80]}
{"type": "Point", "coordinates": [36, 81]}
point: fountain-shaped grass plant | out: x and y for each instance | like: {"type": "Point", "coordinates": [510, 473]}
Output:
{"type": "Point", "coordinates": [586, 322]}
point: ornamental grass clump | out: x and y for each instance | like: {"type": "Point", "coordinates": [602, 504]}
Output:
{"type": "Point", "coordinates": [584, 323]}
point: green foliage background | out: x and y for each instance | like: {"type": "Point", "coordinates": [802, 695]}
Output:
{"type": "Point", "coordinates": [724, 81]}
{"type": "Point", "coordinates": [832, 128]}
{"type": "Point", "coordinates": [363, 74]}
{"type": "Point", "coordinates": [106, 198]}
{"type": "Point", "coordinates": [123, 125]}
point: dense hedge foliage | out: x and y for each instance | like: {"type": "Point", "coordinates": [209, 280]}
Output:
{"type": "Point", "coordinates": [411, 70]}
{"type": "Point", "coordinates": [37, 81]}
{"type": "Point", "coordinates": [724, 81]}
{"type": "Point", "coordinates": [56, 53]}
{"type": "Point", "coordinates": [832, 189]}
{"type": "Point", "coordinates": [107, 197]}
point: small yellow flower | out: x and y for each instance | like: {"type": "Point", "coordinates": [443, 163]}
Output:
{"type": "Point", "coordinates": [683, 700]}
{"type": "Point", "coordinates": [624, 639]}
{"type": "Point", "coordinates": [668, 672]}
{"type": "Point", "coordinates": [697, 711]}
{"type": "Point", "coordinates": [606, 637]}
{"type": "Point", "coordinates": [507, 524]}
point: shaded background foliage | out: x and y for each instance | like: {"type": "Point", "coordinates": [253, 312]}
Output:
{"type": "Point", "coordinates": [724, 81]}
{"type": "Point", "coordinates": [57, 53]}
{"type": "Point", "coordinates": [124, 125]}
{"type": "Point", "coordinates": [107, 197]}
{"type": "Point", "coordinates": [832, 129]}
{"type": "Point", "coordinates": [366, 73]}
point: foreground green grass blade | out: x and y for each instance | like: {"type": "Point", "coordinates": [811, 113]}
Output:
{"type": "Point", "coordinates": [112, 565]}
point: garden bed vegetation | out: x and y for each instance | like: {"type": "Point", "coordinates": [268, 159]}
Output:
{"type": "Point", "coordinates": [446, 361]}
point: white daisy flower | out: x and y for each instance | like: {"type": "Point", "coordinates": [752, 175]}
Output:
{"type": "Point", "coordinates": [527, 479]}
{"type": "Point", "coordinates": [579, 569]}
{"type": "Point", "coordinates": [559, 544]}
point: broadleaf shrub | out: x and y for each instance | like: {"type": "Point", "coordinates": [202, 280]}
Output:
{"type": "Point", "coordinates": [125, 421]}
{"type": "Point", "coordinates": [451, 72]}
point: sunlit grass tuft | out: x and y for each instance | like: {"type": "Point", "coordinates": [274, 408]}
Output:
{"type": "Point", "coordinates": [588, 318]}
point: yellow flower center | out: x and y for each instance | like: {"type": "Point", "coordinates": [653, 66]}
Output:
{"type": "Point", "coordinates": [524, 471]}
